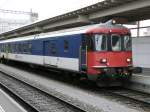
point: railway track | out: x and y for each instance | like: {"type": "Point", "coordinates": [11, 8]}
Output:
{"type": "Point", "coordinates": [132, 94]}
{"type": "Point", "coordinates": [130, 98]}
{"type": "Point", "coordinates": [21, 104]}
{"type": "Point", "coordinates": [35, 98]}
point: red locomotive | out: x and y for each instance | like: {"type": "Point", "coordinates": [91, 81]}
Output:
{"type": "Point", "coordinates": [108, 54]}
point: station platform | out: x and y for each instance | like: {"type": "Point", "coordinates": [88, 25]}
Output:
{"type": "Point", "coordinates": [8, 104]}
{"type": "Point", "coordinates": [141, 81]}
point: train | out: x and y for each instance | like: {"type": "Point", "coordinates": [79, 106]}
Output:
{"type": "Point", "coordinates": [98, 52]}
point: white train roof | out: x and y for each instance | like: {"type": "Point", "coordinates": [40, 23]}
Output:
{"type": "Point", "coordinates": [77, 30]}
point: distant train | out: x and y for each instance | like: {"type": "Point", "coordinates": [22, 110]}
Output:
{"type": "Point", "coordinates": [100, 52]}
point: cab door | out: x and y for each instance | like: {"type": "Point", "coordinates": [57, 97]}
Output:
{"type": "Point", "coordinates": [83, 54]}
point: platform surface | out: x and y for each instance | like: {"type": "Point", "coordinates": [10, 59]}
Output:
{"type": "Point", "coordinates": [7, 104]}
{"type": "Point", "coordinates": [140, 82]}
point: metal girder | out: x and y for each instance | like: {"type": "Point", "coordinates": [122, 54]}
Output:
{"type": "Point", "coordinates": [81, 19]}
{"type": "Point", "coordinates": [15, 34]}
{"type": "Point", "coordinates": [120, 9]}
{"type": "Point", "coordinates": [32, 30]}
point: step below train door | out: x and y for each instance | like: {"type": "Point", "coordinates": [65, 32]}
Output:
{"type": "Point", "coordinates": [50, 53]}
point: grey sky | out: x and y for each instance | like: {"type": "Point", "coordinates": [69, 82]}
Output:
{"type": "Point", "coordinates": [46, 8]}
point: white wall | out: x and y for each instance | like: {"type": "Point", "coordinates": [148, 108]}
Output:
{"type": "Point", "coordinates": [141, 52]}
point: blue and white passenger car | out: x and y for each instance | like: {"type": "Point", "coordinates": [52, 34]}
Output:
{"type": "Point", "coordinates": [58, 49]}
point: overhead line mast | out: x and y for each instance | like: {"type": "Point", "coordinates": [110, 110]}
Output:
{"type": "Point", "coordinates": [8, 23]}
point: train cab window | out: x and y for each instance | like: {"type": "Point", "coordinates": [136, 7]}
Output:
{"type": "Point", "coordinates": [13, 48]}
{"type": "Point", "coordinates": [100, 42]}
{"type": "Point", "coordinates": [20, 48]}
{"type": "Point", "coordinates": [5, 47]}
{"type": "Point", "coordinates": [66, 45]}
{"type": "Point", "coordinates": [25, 48]}
{"type": "Point", "coordinates": [127, 43]}
{"type": "Point", "coordinates": [115, 42]}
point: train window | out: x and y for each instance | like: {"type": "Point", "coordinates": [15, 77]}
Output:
{"type": "Point", "coordinates": [6, 48]}
{"type": "Point", "coordinates": [26, 48]}
{"type": "Point", "coordinates": [9, 48]}
{"type": "Point", "coordinates": [2, 47]}
{"type": "Point", "coordinates": [30, 47]}
{"type": "Point", "coordinates": [115, 42]}
{"type": "Point", "coordinates": [16, 48]}
{"type": "Point", "coordinates": [66, 45]}
{"type": "Point", "coordinates": [127, 43]}
{"type": "Point", "coordinates": [53, 48]}
{"type": "Point", "coordinates": [23, 48]}
{"type": "Point", "coordinates": [100, 42]}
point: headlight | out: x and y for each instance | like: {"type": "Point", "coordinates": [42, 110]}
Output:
{"type": "Point", "coordinates": [128, 60]}
{"type": "Point", "coordinates": [103, 60]}
{"type": "Point", "coordinates": [113, 22]}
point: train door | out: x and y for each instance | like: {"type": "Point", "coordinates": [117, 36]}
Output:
{"type": "Point", "coordinates": [50, 53]}
{"type": "Point", "coordinates": [83, 54]}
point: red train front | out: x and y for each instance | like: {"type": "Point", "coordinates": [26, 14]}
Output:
{"type": "Point", "coordinates": [108, 54]}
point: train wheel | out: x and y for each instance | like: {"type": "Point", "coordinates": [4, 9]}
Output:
{"type": "Point", "coordinates": [76, 78]}
{"type": "Point", "coordinates": [101, 84]}
{"type": "Point", "coordinates": [65, 75]}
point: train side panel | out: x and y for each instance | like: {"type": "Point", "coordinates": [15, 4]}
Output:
{"type": "Point", "coordinates": [61, 52]}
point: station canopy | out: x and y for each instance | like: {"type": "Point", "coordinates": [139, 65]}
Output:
{"type": "Point", "coordinates": [131, 10]}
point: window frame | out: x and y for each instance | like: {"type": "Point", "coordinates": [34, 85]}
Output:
{"type": "Point", "coordinates": [106, 42]}
{"type": "Point", "coordinates": [124, 45]}
{"type": "Point", "coordinates": [120, 38]}
{"type": "Point", "coordinates": [52, 47]}
{"type": "Point", "coordinates": [66, 45]}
